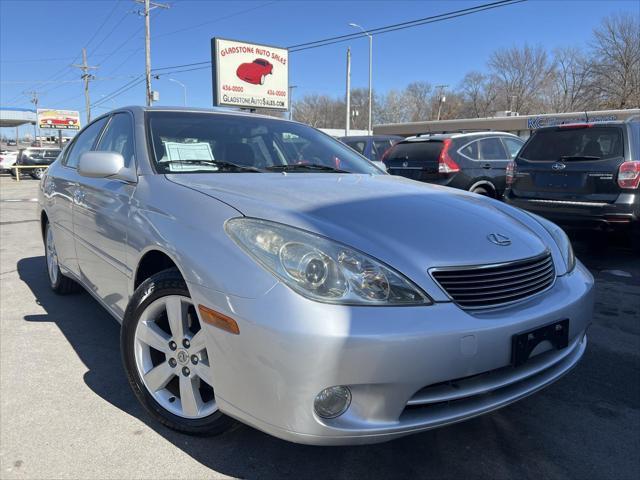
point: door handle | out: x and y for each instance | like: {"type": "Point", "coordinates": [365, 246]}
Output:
{"type": "Point", "coordinates": [486, 166]}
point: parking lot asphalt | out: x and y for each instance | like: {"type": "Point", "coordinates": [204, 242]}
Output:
{"type": "Point", "coordinates": [66, 410]}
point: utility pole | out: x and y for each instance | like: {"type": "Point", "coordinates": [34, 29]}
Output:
{"type": "Point", "coordinates": [348, 94]}
{"type": "Point", "coordinates": [148, 7]}
{"type": "Point", "coordinates": [291, 87]}
{"type": "Point", "coordinates": [86, 76]}
{"type": "Point", "coordinates": [441, 98]}
{"type": "Point", "coordinates": [355, 25]}
{"type": "Point", "coordinates": [34, 100]}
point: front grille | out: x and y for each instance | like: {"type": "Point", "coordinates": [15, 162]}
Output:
{"type": "Point", "coordinates": [485, 286]}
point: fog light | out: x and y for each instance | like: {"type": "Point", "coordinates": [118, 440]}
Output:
{"type": "Point", "coordinates": [332, 402]}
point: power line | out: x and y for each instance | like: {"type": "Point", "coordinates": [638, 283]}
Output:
{"type": "Point", "coordinates": [380, 30]}
{"type": "Point", "coordinates": [404, 25]}
{"type": "Point", "coordinates": [231, 15]}
{"type": "Point", "coordinates": [104, 22]}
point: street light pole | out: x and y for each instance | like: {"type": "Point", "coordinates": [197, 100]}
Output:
{"type": "Point", "coordinates": [355, 25]}
{"type": "Point", "coordinates": [291, 87]}
{"type": "Point", "coordinates": [184, 87]}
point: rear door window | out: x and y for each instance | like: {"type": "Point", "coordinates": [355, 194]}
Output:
{"type": "Point", "coordinates": [492, 149]}
{"type": "Point", "coordinates": [379, 148]}
{"type": "Point", "coordinates": [513, 146]}
{"type": "Point", "coordinates": [471, 150]}
{"type": "Point", "coordinates": [588, 143]}
{"type": "Point", "coordinates": [358, 146]}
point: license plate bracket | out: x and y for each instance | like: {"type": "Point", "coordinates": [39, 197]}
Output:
{"type": "Point", "coordinates": [522, 344]}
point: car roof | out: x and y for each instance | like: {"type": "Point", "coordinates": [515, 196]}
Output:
{"type": "Point", "coordinates": [609, 123]}
{"type": "Point", "coordinates": [213, 111]}
{"type": "Point", "coordinates": [442, 136]}
{"type": "Point", "coordinates": [372, 137]}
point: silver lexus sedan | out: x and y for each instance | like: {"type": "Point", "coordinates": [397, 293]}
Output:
{"type": "Point", "coordinates": [265, 272]}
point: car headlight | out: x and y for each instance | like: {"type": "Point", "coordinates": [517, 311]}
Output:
{"type": "Point", "coordinates": [561, 239]}
{"type": "Point", "coordinates": [321, 269]}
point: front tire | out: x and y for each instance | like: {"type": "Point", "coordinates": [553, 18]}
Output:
{"type": "Point", "coordinates": [59, 283]}
{"type": "Point", "coordinates": [166, 359]}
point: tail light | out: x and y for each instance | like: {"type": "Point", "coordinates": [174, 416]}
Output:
{"type": "Point", "coordinates": [629, 175]}
{"type": "Point", "coordinates": [511, 173]}
{"type": "Point", "coordinates": [446, 164]}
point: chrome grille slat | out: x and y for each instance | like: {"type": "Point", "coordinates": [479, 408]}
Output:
{"type": "Point", "coordinates": [483, 272]}
{"type": "Point", "coordinates": [513, 291]}
{"type": "Point", "coordinates": [486, 286]}
{"type": "Point", "coordinates": [451, 286]}
{"type": "Point", "coordinates": [497, 288]}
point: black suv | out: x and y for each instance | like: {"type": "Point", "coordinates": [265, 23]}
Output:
{"type": "Point", "coordinates": [584, 175]}
{"type": "Point", "coordinates": [470, 161]}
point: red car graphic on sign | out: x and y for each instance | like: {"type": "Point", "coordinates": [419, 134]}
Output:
{"type": "Point", "coordinates": [255, 72]}
{"type": "Point", "coordinates": [60, 121]}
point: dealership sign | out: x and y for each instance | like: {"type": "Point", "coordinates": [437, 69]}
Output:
{"type": "Point", "coordinates": [59, 119]}
{"type": "Point", "coordinates": [248, 75]}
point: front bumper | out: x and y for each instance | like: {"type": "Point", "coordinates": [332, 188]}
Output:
{"type": "Point", "coordinates": [409, 369]}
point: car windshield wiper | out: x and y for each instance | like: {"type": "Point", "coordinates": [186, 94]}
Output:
{"type": "Point", "coordinates": [579, 157]}
{"type": "Point", "coordinates": [221, 164]}
{"type": "Point", "coordinates": [301, 167]}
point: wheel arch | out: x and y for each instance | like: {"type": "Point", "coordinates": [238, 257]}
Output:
{"type": "Point", "coordinates": [151, 261]}
{"type": "Point", "coordinates": [484, 183]}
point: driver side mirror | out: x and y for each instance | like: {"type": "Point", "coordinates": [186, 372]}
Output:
{"type": "Point", "coordinates": [104, 165]}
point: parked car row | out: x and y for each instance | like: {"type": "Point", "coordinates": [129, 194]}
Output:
{"type": "Point", "coordinates": [581, 175]}
{"type": "Point", "coordinates": [38, 157]}
{"type": "Point", "coordinates": [7, 160]}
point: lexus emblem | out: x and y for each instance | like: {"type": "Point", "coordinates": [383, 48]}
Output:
{"type": "Point", "coordinates": [558, 166]}
{"type": "Point", "coordinates": [499, 239]}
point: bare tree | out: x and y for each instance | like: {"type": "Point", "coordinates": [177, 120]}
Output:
{"type": "Point", "coordinates": [360, 104]}
{"type": "Point", "coordinates": [320, 111]}
{"type": "Point", "coordinates": [479, 94]}
{"type": "Point", "coordinates": [569, 90]}
{"type": "Point", "coordinates": [616, 56]}
{"type": "Point", "coordinates": [417, 99]}
{"type": "Point", "coordinates": [391, 108]}
{"type": "Point", "coordinates": [521, 74]}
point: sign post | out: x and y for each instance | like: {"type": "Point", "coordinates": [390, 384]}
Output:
{"type": "Point", "coordinates": [248, 75]}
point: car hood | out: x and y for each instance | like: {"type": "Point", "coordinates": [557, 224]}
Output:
{"type": "Point", "coordinates": [409, 225]}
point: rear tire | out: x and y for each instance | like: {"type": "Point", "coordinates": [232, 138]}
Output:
{"type": "Point", "coordinates": [59, 283]}
{"type": "Point", "coordinates": [483, 191]}
{"type": "Point", "coordinates": [37, 173]}
{"type": "Point", "coordinates": [172, 386]}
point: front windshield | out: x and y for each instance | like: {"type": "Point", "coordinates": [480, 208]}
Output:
{"type": "Point", "coordinates": [186, 142]}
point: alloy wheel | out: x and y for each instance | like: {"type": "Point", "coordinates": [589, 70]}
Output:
{"type": "Point", "coordinates": [172, 359]}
